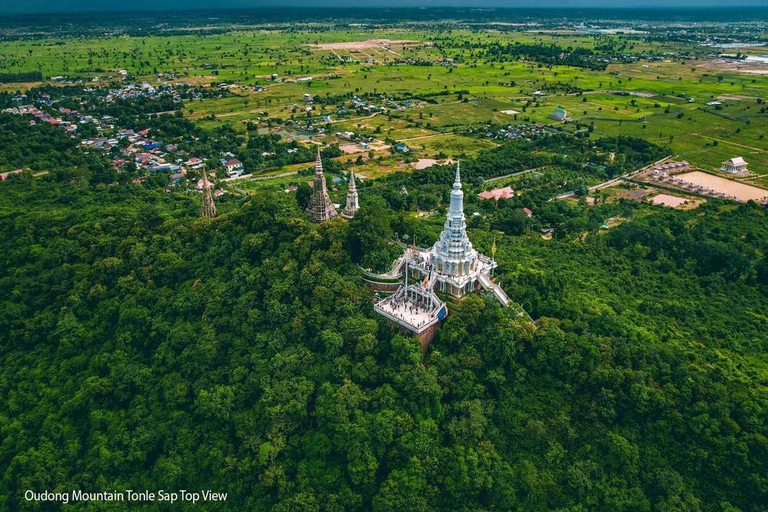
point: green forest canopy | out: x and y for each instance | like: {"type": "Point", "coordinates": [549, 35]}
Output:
{"type": "Point", "coordinates": [145, 348]}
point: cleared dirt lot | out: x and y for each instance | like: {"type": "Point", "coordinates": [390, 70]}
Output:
{"type": "Point", "coordinates": [681, 203]}
{"type": "Point", "coordinates": [364, 45]}
{"type": "Point", "coordinates": [356, 148]}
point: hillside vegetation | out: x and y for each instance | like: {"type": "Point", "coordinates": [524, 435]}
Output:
{"type": "Point", "coordinates": [144, 348]}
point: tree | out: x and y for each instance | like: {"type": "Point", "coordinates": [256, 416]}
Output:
{"type": "Point", "coordinates": [371, 234]}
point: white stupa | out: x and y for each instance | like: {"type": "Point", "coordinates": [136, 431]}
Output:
{"type": "Point", "coordinates": [451, 266]}
{"type": "Point", "coordinates": [455, 266]}
{"type": "Point", "coordinates": [452, 257]}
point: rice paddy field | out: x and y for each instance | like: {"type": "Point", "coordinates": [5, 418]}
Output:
{"type": "Point", "coordinates": [663, 99]}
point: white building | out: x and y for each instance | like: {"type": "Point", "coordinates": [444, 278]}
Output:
{"type": "Point", "coordinates": [454, 264]}
{"type": "Point", "coordinates": [234, 167]}
{"type": "Point", "coordinates": [352, 198]}
{"type": "Point", "coordinates": [736, 164]}
{"type": "Point", "coordinates": [451, 266]}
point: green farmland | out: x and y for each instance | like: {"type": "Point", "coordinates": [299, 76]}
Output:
{"type": "Point", "coordinates": [663, 101]}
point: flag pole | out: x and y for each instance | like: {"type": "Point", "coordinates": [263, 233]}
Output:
{"type": "Point", "coordinates": [406, 279]}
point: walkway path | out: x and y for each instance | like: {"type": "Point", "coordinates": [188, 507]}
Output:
{"type": "Point", "coordinates": [500, 294]}
{"type": "Point", "coordinates": [260, 178]}
{"type": "Point", "coordinates": [394, 273]}
{"type": "Point", "coordinates": [756, 150]}
{"type": "Point", "coordinates": [518, 173]}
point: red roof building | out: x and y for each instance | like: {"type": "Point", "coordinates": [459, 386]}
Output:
{"type": "Point", "coordinates": [4, 175]}
{"type": "Point", "coordinates": [497, 193]}
{"type": "Point", "coordinates": [201, 184]}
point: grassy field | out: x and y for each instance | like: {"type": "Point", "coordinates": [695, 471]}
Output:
{"type": "Point", "coordinates": [663, 101]}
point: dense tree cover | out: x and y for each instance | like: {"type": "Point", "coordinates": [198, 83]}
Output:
{"type": "Point", "coordinates": [629, 153]}
{"type": "Point", "coordinates": [104, 100]}
{"type": "Point", "coordinates": [142, 347]}
{"type": "Point", "coordinates": [599, 159]}
{"type": "Point", "coordinates": [126, 110]}
{"type": "Point", "coordinates": [29, 76]}
{"type": "Point", "coordinates": [271, 150]}
{"type": "Point", "coordinates": [550, 54]}
{"type": "Point", "coordinates": [47, 148]}
{"type": "Point", "coordinates": [372, 232]}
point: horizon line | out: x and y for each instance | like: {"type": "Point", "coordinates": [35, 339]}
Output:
{"type": "Point", "coordinates": [297, 6]}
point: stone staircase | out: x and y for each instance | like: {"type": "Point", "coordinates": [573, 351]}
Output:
{"type": "Point", "coordinates": [487, 284]}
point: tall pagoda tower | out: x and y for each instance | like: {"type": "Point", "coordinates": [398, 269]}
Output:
{"type": "Point", "coordinates": [320, 207]}
{"type": "Point", "coordinates": [453, 254]}
{"type": "Point", "coordinates": [451, 266]}
{"type": "Point", "coordinates": [352, 200]}
{"type": "Point", "coordinates": [208, 208]}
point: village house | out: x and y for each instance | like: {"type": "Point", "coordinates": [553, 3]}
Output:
{"type": "Point", "coordinates": [234, 167]}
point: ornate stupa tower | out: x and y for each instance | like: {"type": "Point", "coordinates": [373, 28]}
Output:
{"type": "Point", "coordinates": [451, 266]}
{"type": "Point", "coordinates": [208, 209]}
{"type": "Point", "coordinates": [320, 207]}
{"type": "Point", "coordinates": [352, 202]}
{"type": "Point", "coordinates": [453, 254]}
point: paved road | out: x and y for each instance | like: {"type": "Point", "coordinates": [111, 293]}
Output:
{"type": "Point", "coordinates": [261, 178]}
{"type": "Point", "coordinates": [519, 173]}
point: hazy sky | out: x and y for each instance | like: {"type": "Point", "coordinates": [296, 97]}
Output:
{"type": "Point", "coordinates": [22, 6]}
